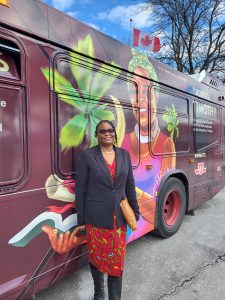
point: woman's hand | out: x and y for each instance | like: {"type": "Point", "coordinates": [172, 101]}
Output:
{"type": "Point", "coordinates": [64, 242]}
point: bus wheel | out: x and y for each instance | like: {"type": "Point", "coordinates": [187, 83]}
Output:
{"type": "Point", "coordinates": [170, 208]}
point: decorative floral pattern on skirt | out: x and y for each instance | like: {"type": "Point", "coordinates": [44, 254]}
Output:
{"type": "Point", "coordinates": [107, 248]}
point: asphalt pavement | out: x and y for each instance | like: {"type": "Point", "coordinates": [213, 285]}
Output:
{"type": "Point", "coordinates": [189, 265]}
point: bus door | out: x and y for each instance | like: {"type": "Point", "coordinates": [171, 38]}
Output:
{"type": "Point", "coordinates": [205, 127]}
{"type": "Point", "coordinates": [13, 160]}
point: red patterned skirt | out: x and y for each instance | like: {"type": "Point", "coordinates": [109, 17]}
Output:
{"type": "Point", "coordinates": [107, 248]}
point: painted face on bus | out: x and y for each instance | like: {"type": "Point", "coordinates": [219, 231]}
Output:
{"type": "Point", "coordinates": [141, 99]}
{"type": "Point", "coordinates": [105, 134]}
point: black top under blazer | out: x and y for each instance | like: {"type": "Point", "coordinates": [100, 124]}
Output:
{"type": "Point", "coordinates": [97, 197]}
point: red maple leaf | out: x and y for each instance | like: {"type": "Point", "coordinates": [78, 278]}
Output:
{"type": "Point", "coordinates": [146, 41]}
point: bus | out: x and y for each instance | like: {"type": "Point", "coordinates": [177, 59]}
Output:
{"type": "Point", "coordinates": [58, 79]}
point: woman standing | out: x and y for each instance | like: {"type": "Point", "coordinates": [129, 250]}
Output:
{"type": "Point", "coordinates": [104, 177]}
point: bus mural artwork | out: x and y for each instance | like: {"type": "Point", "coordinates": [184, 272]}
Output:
{"type": "Point", "coordinates": [58, 79]}
{"type": "Point", "coordinates": [139, 140]}
{"type": "Point", "coordinates": [72, 135]}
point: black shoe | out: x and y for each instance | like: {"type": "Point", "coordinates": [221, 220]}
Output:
{"type": "Point", "coordinates": [98, 278]}
{"type": "Point", "coordinates": [114, 287]}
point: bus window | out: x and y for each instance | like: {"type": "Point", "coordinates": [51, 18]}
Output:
{"type": "Point", "coordinates": [91, 79]}
{"type": "Point", "coordinates": [205, 126]}
{"type": "Point", "coordinates": [169, 113]}
{"type": "Point", "coordinates": [11, 136]}
{"type": "Point", "coordinates": [9, 60]}
{"type": "Point", "coordinates": [87, 92]}
{"type": "Point", "coordinates": [12, 151]}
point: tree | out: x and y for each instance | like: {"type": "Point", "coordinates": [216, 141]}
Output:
{"type": "Point", "coordinates": [193, 32]}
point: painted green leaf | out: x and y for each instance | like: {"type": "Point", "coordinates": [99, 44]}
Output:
{"type": "Point", "coordinates": [172, 134]}
{"type": "Point", "coordinates": [104, 115]}
{"type": "Point", "coordinates": [102, 81]}
{"type": "Point", "coordinates": [170, 127]}
{"type": "Point", "coordinates": [74, 100]}
{"type": "Point", "coordinates": [178, 132]}
{"type": "Point", "coordinates": [92, 106]}
{"type": "Point", "coordinates": [85, 46]}
{"type": "Point", "coordinates": [170, 117]}
{"type": "Point", "coordinates": [101, 107]}
{"type": "Point", "coordinates": [93, 123]}
{"type": "Point", "coordinates": [83, 77]}
{"type": "Point", "coordinates": [93, 83]}
{"type": "Point", "coordinates": [61, 84]}
{"type": "Point", "coordinates": [48, 75]}
{"type": "Point", "coordinates": [72, 134]}
{"type": "Point", "coordinates": [77, 103]}
{"type": "Point", "coordinates": [82, 74]}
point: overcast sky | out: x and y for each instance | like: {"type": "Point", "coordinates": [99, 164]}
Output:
{"type": "Point", "coordinates": [111, 17]}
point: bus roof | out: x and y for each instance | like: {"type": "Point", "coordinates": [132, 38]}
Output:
{"type": "Point", "coordinates": [39, 20]}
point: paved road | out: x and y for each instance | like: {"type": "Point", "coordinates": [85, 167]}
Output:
{"type": "Point", "coordinates": [188, 266]}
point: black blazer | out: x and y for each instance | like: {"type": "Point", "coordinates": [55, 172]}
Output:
{"type": "Point", "coordinates": [97, 197]}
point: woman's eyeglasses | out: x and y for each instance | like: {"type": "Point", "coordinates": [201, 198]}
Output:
{"type": "Point", "coordinates": [104, 131]}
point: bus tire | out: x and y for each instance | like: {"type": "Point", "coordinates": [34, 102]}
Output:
{"type": "Point", "coordinates": [170, 208]}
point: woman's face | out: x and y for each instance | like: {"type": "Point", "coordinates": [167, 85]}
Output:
{"type": "Point", "coordinates": [105, 134]}
{"type": "Point", "coordinates": [142, 100]}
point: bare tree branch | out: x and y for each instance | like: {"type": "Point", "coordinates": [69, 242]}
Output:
{"type": "Point", "coordinates": [194, 32]}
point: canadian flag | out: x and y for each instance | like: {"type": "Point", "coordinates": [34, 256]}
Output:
{"type": "Point", "coordinates": [145, 41]}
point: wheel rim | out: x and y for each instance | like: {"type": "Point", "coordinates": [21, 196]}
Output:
{"type": "Point", "coordinates": [171, 208]}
